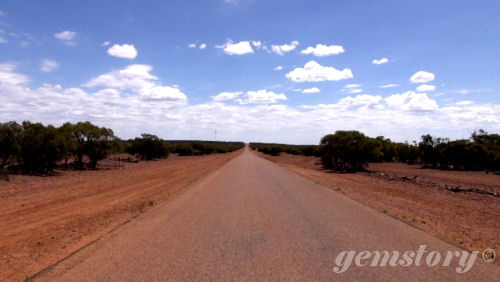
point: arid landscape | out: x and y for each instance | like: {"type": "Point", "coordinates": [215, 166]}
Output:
{"type": "Point", "coordinates": [48, 218]}
{"type": "Point", "coordinates": [44, 219]}
{"type": "Point", "coordinates": [249, 140]}
{"type": "Point", "coordinates": [424, 198]}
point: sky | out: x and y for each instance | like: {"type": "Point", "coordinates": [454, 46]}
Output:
{"type": "Point", "coordinates": [254, 70]}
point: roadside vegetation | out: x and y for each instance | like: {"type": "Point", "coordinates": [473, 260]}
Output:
{"type": "Point", "coordinates": [35, 148]}
{"type": "Point", "coordinates": [348, 151]}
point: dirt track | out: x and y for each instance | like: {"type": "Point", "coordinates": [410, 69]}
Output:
{"type": "Point", "coordinates": [44, 219]}
{"type": "Point", "coordinates": [254, 220]}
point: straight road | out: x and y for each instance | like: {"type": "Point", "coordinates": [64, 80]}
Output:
{"type": "Point", "coordinates": [254, 220]}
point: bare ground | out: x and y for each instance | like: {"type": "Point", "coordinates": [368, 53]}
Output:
{"type": "Point", "coordinates": [44, 219]}
{"type": "Point", "coordinates": [420, 197]}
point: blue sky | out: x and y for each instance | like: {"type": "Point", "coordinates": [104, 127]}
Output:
{"type": "Point", "coordinates": [281, 71]}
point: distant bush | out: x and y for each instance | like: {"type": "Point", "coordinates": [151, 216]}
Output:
{"type": "Point", "coordinates": [348, 150]}
{"type": "Point", "coordinates": [148, 147]}
{"type": "Point", "coordinates": [184, 149]}
{"type": "Point", "coordinates": [276, 149]}
{"type": "Point", "coordinates": [204, 147]}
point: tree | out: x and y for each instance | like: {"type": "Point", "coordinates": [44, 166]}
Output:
{"type": "Point", "coordinates": [149, 147]}
{"type": "Point", "coordinates": [65, 141]}
{"type": "Point", "coordinates": [39, 148]}
{"type": "Point", "coordinates": [10, 143]}
{"type": "Point", "coordinates": [92, 141]}
{"type": "Point", "coordinates": [348, 150]}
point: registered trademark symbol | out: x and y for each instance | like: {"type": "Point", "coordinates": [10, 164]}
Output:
{"type": "Point", "coordinates": [489, 255]}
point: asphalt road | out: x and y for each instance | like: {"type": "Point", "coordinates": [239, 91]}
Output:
{"type": "Point", "coordinates": [254, 220]}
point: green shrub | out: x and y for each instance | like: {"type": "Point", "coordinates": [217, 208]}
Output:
{"type": "Point", "coordinates": [348, 150]}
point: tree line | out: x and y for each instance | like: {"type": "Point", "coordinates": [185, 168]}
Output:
{"type": "Point", "coordinates": [352, 151]}
{"type": "Point", "coordinates": [37, 148]}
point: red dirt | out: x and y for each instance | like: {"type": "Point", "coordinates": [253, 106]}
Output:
{"type": "Point", "coordinates": [44, 219]}
{"type": "Point", "coordinates": [467, 220]}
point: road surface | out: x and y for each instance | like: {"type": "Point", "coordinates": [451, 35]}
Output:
{"type": "Point", "coordinates": [254, 220]}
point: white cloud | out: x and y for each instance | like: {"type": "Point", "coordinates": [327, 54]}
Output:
{"type": "Point", "coordinates": [203, 45]}
{"type": "Point", "coordinates": [314, 72]}
{"type": "Point", "coordinates": [360, 100]}
{"type": "Point", "coordinates": [106, 43]}
{"type": "Point", "coordinates": [462, 103]}
{"type": "Point", "coordinates": [311, 90]}
{"type": "Point", "coordinates": [257, 44]}
{"type": "Point", "coordinates": [8, 75]}
{"type": "Point", "coordinates": [352, 85]}
{"type": "Point", "coordinates": [240, 48]}
{"type": "Point", "coordinates": [323, 50]}
{"type": "Point", "coordinates": [262, 97]}
{"type": "Point", "coordinates": [422, 77]}
{"type": "Point", "coordinates": [66, 36]}
{"type": "Point", "coordinates": [469, 91]}
{"type": "Point", "coordinates": [355, 91]}
{"type": "Point", "coordinates": [389, 85]}
{"type": "Point", "coordinates": [49, 65]}
{"type": "Point", "coordinates": [278, 68]}
{"type": "Point", "coordinates": [164, 93]}
{"type": "Point", "coordinates": [138, 80]}
{"type": "Point", "coordinates": [380, 62]}
{"type": "Point", "coordinates": [281, 49]}
{"type": "Point", "coordinates": [224, 96]}
{"type": "Point", "coordinates": [426, 87]}
{"type": "Point", "coordinates": [412, 101]}
{"type": "Point", "coordinates": [126, 51]}
{"type": "Point", "coordinates": [192, 45]}
{"type": "Point", "coordinates": [116, 102]}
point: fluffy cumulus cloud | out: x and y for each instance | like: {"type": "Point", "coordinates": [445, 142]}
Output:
{"type": "Point", "coordinates": [132, 100]}
{"type": "Point", "coordinates": [426, 88]}
{"type": "Point", "coordinates": [422, 77]}
{"type": "Point", "coordinates": [126, 51]}
{"type": "Point", "coordinates": [224, 96]}
{"type": "Point", "coordinates": [311, 90]}
{"type": "Point", "coordinates": [192, 45]}
{"type": "Point", "coordinates": [323, 50]}
{"type": "Point", "coordinates": [66, 36]}
{"type": "Point", "coordinates": [380, 62]}
{"type": "Point", "coordinates": [412, 101]}
{"type": "Point", "coordinates": [285, 48]}
{"type": "Point", "coordinates": [262, 97]}
{"type": "Point", "coordinates": [314, 72]}
{"type": "Point", "coordinates": [49, 65]}
{"type": "Point", "coordinates": [203, 46]}
{"type": "Point", "coordinates": [240, 48]}
{"type": "Point", "coordinates": [278, 68]}
{"type": "Point", "coordinates": [137, 80]}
